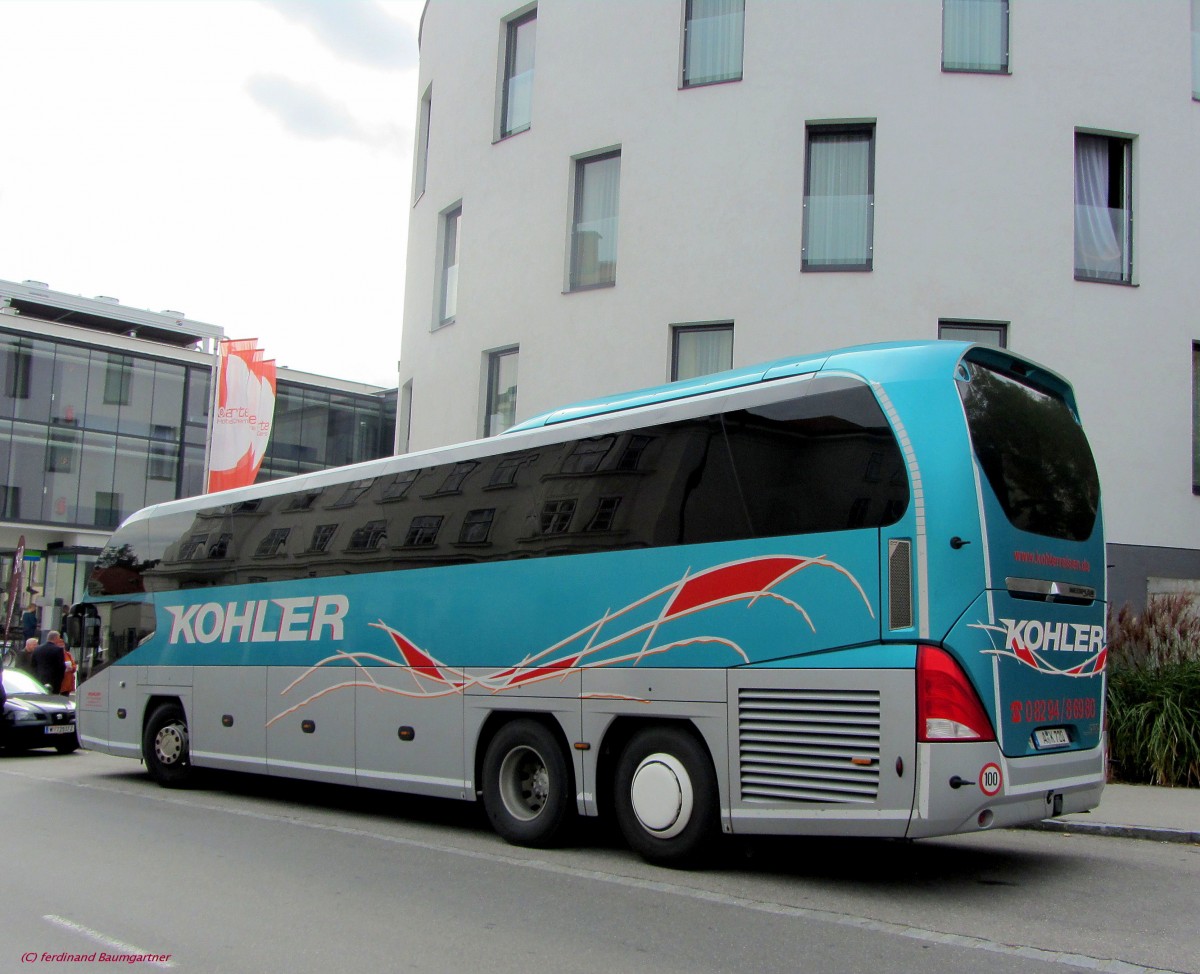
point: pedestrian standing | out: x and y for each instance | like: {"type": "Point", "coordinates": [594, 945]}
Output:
{"type": "Point", "coordinates": [68, 681]}
{"type": "Point", "coordinates": [50, 662]}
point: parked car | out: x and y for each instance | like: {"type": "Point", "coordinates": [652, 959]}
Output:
{"type": "Point", "coordinates": [35, 718]}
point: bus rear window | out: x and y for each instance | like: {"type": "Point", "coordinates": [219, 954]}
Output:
{"type": "Point", "coordinates": [1034, 454]}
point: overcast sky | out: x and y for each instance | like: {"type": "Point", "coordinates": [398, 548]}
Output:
{"type": "Point", "coordinates": [246, 162]}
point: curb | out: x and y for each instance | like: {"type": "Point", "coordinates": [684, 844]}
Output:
{"type": "Point", "coordinates": [1116, 831]}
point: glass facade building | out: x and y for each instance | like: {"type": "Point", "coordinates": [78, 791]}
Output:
{"type": "Point", "coordinates": [104, 410]}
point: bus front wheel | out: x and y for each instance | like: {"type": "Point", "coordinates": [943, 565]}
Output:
{"type": "Point", "coordinates": [527, 784]}
{"type": "Point", "coordinates": [165, 747]}
{"type": "Point", "coordinates": [666, 797]}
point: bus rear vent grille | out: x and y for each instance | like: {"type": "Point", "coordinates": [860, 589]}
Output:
{"type": "Point", "coordinates": [808, 745]}
{"type": "Point", "coordinates": [900, 602]}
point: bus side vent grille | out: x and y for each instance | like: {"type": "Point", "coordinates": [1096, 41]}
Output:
{"type": "Point", "coordinates": [808, 745]}
{"type": "Point", "coordinates": [900, 602]}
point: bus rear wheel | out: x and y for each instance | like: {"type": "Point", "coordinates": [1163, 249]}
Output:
{"type": "Point", "coordinates": [165, 746]}
{"type": "Point", "coordinates": [527, 789]}
{"type": "Point", "coordinates": [666, 797]}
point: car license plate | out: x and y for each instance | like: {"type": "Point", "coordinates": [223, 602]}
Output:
{"type": "Point", "coordinates": [61, 729]}
{"type": "Point", "coordinates": [1051, 737]}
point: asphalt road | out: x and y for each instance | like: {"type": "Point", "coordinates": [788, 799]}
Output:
{"type": "Point", "coordinates": [248, 873]}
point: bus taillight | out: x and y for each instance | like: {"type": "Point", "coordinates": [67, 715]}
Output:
{"type": "Point", "coordinates": [948, 709]}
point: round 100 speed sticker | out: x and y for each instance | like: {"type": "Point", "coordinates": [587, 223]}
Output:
{"type": "Point", "coordinates": [990, 779]}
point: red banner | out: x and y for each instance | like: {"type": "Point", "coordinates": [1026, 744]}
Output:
{"type": "Point", "coordinates": [245, 408]}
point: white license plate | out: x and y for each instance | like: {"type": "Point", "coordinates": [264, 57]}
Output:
{"type": "Point", "coordinates": [61, 729]}
{"type": "Point", "coordinates": [1051, 737]}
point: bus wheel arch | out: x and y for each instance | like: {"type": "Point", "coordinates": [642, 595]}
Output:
{"type": "Point", "coordinates": [166, 746]}
{"type": "Point", "coordinates": [526, 778]}
{"type": "Point", "coordinates": [664, 793]}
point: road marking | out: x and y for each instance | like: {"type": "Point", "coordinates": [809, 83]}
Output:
{"type": "Point", "coordinates": [1107, 965]}
{"type": "Point", "coordinates": [117, 946]}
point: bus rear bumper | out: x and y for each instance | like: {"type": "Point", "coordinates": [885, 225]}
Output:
{"type": "Point", "coordinates": [975, 788]}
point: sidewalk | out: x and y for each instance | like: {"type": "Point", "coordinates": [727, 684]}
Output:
{"type": "Point", "coordinates": [1137, 812]}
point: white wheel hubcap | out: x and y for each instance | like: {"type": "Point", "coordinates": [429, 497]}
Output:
{"type": "Point", "coordinates": [661, 794]}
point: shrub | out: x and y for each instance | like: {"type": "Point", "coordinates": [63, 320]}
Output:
{"type": "Point", "coordinates": [1154, 692]}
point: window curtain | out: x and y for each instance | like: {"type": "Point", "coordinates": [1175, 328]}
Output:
{"type": "Point", "coordinates": [595, 244]}
{"type": "Point", "coordinates": [714, 41]}
{"type": "Point", "coordinates": [702, 351]}
{"type": "Point", "coordinates": [975, 35]}
{"type": "Point", "coordinates": [838, 204]}
{"type": "Point", "coordinates": [1099, 236]}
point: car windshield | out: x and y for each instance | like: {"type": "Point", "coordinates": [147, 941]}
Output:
{"type": "Point", "coordinates": [15, 681]}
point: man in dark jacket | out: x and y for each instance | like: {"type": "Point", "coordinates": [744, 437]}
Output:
{"type": "Point", "coordinates": [50, 662]}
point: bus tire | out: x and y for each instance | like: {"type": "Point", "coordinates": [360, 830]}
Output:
{"type": "Point", "coordinates": [665, 796]}
{"type": "Point", "coordinates": [527, 789]}
{"type": "Point", "coordinates": [165, 747]}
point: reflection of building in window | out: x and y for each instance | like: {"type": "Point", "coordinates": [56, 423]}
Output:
{"type": "Point", "coordinates": [118, 380]}
{"type": "Point", "coordinates": [193, 547]}
{"type": "Point", "coordinates": [61, 450]}
{"type": "Point", "coordinates": [587, 455]}
{"type": "Point", "coordinates": [275, 540]}
{"type": "Point", "coordinates": [354, 490]}
{"type": "Point", "coordinates": [505, 474]}
{"type": "Point", "coordinates": [476, 526]}
{"type": "Point", "coordinates": [164, 451]}
{"type": "Point", "coordinates": [423, 530]}
{"type": "Point", "coordinates": [556, 516]}
{"type": "Point", "coordinates": [369, 537]}
{"type": "Point", "coordinates": [458, 473]}
{"type": "Point", "coordinates": [606, 512]}
{"type": "Point", "coordinates": [321, 536]}
{"type": "Point", "coordinates": [304, 500]}
{"type": "Point", "coordinates": [221, 548]}
{"type": "Point", "coordinates": [631, 456]}
{"type": "Point", "coordinates": [398, 485]}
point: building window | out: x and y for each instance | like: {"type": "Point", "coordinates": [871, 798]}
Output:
{"type": "Point", "coordinates": [448, 291]}
{"type": "Point", "coordinates": [423, 531]}
{"type": "Point", "coordinates": [369, 537]}
{"type": "Point", "coordinates": [975, 35]}
{"type": "Point", "coordinates": [994, 333]}
{"type": "Point", "coordinates": [594, 228]}
{"type": "Point", "coordinates": [164, 452]}
{"type": "Point", "coordinates": [321, 536]}
{"type": "Point", "coordinates": [1103, 208]}
{"type": "Point", "coordinates": [556, 516]}
{"type": "Point", "coordinates": [1196, 49]}
{"type": "Point", "coordinates": [500, 410]}
{"type": "Point", "coordinates": [713, 41]}
{"type": "Point", "coordinates": [477, 525]}
{"type": "Point", "coordinates": [10, 502]}
{"type": "Point", "coordinates": [108, 509]}
{"type": "Point", "coordinates": [516, 92]}
{"type": "Point", "coordinates": [700, 350]}
{"type": "Point", "coordinates": [1196, 419]}
{"type": "Point", "coordinates": [421, 163]}
{"type": "Point", "coordinates": [839, 183]}
{"type": "Point", "coordinates": [18, 365]}
{"type": "Point", "coordinates": [118, 380]}
{"type": "Point", "coordinates": [273, 543]}
{"type": "Point", "coordinates": [61, 450]}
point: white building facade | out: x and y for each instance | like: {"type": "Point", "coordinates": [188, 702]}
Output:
{"type": "Point", "coordinates": [609, 195]}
